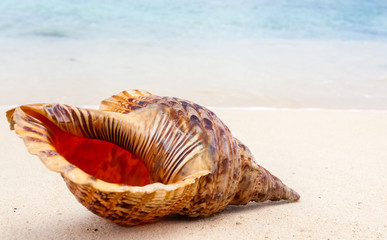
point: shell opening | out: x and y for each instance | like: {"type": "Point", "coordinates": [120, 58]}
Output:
{"type": "Point", "coordinates": [101, 159]}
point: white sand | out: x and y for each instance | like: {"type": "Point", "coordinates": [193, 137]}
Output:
{"type": "Point", "coordinates": [269, 73]}
{"type": "Point", "coordinates": [335, 160]}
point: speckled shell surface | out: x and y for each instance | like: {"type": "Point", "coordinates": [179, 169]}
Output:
{"type": "Point", "coordinates": [196, 166]}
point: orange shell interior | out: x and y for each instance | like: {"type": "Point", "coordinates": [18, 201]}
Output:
{"type": "Point", "coordinates": [101, 159]}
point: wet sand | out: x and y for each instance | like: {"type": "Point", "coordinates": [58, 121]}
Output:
{"type": "Point", "coordinates": [336, 160]}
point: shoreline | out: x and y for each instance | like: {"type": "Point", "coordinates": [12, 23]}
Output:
{"type": "Point", "coordinates": [272, 73]}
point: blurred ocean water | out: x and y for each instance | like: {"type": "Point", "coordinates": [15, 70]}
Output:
{"type": "Point", "coordinates": [195, 19]}
{"type": "Point", "coordinates": [263, 53]}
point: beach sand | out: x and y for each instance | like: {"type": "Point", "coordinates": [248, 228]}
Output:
{"type": "Point", "coordinates": [336, 160]}
{"type": "Point", "coordinates": [255, 73]}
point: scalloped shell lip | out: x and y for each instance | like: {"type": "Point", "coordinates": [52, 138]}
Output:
{"type": "Point", "coordinates": [38, 145]}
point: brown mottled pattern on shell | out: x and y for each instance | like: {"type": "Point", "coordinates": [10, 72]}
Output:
{"type": "Point", "coordinates": [257, 183]}
{"type": "Point", "coordinates": [131, 208]}
{"type": "Point", "coordinates": [217, 189]}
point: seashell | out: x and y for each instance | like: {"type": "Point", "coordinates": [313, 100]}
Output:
{"type": "Point", "coordinates": [141, 157]}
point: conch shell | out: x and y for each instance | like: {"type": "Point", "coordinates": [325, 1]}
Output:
{"type": "Point", "coordinates": [141, 157]}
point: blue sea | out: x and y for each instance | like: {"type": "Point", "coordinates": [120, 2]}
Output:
{"type": "Point", "coordinates": [195, 19]}
{"type": "Point", "coordinates": [229, 53]}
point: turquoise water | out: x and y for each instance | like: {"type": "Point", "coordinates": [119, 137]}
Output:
{"type": "Point", "coordinates": [163, 19]}
{"type": "Point", "coordinates": [274, 53]}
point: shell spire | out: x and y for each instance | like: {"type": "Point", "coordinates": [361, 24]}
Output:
{"type": "Point", "coordinates": [141, 157]}
{"type": "Point", "coordinates": [258, 184]}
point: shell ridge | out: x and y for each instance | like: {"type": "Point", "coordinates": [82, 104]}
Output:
{"type": "Point", "coordinates": [181, 160]}
{"type": "Point", "coordinates": [124, 102]}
